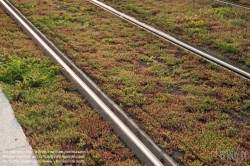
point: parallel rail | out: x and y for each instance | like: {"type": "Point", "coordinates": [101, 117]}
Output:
{"type": "Point", "coordinates": [143, 146]}
{"type": "Point", "coordinates": [234, 4]}
{"type": "Point", "coordinates": [172, 39]}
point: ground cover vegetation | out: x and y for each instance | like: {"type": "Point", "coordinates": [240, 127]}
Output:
{"type": "Point", "coordinates": [52, 114]}
{"type": "Point", "coordinates": [218, 28]}
{"type": "Point", "coordinates": [193, 109]}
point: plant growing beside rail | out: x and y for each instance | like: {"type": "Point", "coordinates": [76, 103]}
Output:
{"type": "Point", "coordinates": [191, 107]}
{"type": "Point", "coordinates": [52, 114]}
{"type": "Point", "coordinates": [174, 17]}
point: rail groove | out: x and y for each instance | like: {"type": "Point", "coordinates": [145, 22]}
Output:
{"type": "Point", "coordinates": [234, 4]}
{"type": "Point", "coordinates": [136, 139]}
{"type": "Point", "coordinates": [172, 39]}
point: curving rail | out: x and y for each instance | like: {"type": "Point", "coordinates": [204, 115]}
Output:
{"type": "Point", "coordinates": [143, 146]}
{"type": "Point", "coordinates": [234, 4]}
{"type": "Point", "coordinates": [172, 39]}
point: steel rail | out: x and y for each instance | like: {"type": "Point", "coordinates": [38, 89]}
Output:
{"type": "Point", "coordinates": [171, 39]}
{"type": "Point", "coordinates": [142, 152]}
{"type": "Point", "coordinates": [234, 4]}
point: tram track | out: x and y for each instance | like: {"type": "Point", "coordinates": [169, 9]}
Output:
{"type": "Point", "coordinates": [143, 146]}
{"type": "Point", "coordinates": [172, 39]}
{"type": "Point", "coordinates": [234, 4]}
{"type": "Point", "coordinates": [167, 116]}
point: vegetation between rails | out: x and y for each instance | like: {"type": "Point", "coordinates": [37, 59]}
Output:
{"type": "Point", "coordinates": [215, 27]}
{"type": "Point", "coordinates": [52, 114]}
{"type": "Point", "coordinates": [193, 109]}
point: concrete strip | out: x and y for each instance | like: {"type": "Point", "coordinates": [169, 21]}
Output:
{"type": "Point", "coordinates": [14, 148]}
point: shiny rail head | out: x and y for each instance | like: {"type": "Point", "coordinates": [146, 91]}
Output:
{"type": "Point", "coordinates": [173, 40]}
{"type": "Point", "coordinates": [150, 158]}
{"type": "Point", "coordinates": [234, 4]}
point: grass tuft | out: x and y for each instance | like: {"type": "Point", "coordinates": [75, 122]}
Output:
{"type": "Point", "coordinates": [30, 72]}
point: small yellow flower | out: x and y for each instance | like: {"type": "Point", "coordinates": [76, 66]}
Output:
{"type": "Point", "coordinates": [198, 23]}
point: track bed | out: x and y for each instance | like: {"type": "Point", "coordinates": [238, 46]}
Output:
{"type": "Point", "coordinates": [217, 28]}
{"type": "Point", "coordinates": [51, 112]}
{"type": "Point", "coordinates": [193, 109]}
